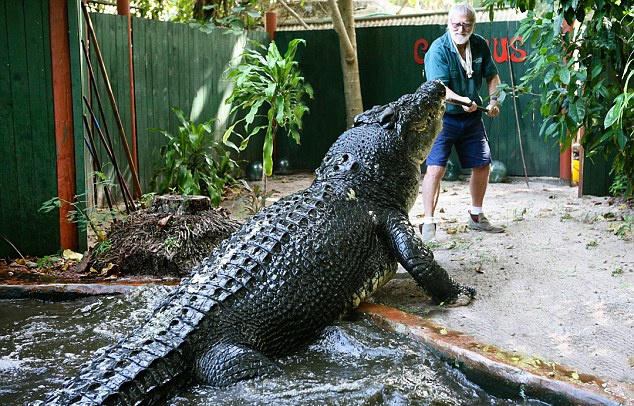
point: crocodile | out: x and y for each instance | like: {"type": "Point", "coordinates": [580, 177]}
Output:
{"type": "Point", "coordinates": [292, 269]}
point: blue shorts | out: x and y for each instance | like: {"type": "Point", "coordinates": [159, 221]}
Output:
{"type": "Point", "coordinates": [467, 133]}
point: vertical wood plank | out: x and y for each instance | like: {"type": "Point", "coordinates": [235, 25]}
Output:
{"type": "Point", "coordinates": [9, 224]}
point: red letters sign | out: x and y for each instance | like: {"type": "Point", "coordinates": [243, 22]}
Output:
{"type": "Point", "coordinates": [500, 50]}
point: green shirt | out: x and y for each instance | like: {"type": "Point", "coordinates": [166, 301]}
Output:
{"type": "Point", "coordinates": [442, 61]}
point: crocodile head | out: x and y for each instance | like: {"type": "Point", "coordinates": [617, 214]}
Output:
{"type": "Point", "coordinates": [413, 121]}
{"type": "Point", "coordinates": [419, 118]}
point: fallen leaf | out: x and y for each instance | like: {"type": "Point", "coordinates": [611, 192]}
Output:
{"type": "Point", "coordinates": [458, 259]}
{"type": "Point", "coordinates": [451, 231]}
{"type": "Point", "coordinates": [70, 254]}
{"type": "Point", "coordinates": [163, 222]}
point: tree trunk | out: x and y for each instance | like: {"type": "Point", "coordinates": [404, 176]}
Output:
{"type": "Point", "coordinates": [343, 21]}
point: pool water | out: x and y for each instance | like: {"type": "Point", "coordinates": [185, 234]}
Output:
{"type": "Point", "coordinates": [354, 362]}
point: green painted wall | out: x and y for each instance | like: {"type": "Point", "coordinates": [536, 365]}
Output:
{"type": "Point", "coordinates": [390, 65]}
{"type": "Point", "coordinates": [27, 138]}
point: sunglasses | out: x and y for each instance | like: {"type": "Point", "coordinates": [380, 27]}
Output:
{"type": "Point", "coordinates": [466, 26]}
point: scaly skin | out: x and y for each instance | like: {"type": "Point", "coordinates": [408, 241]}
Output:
{"type": "Point", "coordinates": [291, 270]}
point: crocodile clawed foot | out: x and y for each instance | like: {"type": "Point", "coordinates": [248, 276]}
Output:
{"type": "Point", "coordinates": [463, 296]}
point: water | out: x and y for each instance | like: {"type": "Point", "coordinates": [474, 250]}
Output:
{"type": "Point", "coordinates": [353, 363]}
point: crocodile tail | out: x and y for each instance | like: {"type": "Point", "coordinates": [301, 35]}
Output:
{"type": "Point", "coordinates": [124, 376]}
{"type": "Point", "coordinates": [143, 369]}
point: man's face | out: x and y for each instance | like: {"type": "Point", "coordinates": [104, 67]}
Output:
{"type": "Point", "coordinates": [460, 28]}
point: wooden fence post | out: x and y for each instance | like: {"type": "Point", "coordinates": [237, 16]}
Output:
{"type": "Point", "coordinates": [123, 8]}
{"type": "Point", "coordinates": [63, 115]}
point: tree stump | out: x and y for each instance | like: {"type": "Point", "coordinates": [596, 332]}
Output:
{"type": "Point", "coordinates": [179, 204]}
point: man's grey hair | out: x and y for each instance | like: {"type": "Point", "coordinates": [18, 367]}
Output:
{"type": "Point", "coordinates": [462, 9]}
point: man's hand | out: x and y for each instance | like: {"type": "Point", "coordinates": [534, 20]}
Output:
{"type": "Point", "coordinates": [472, 106]}
{"type": "Point", "coordinates": [493, 109]}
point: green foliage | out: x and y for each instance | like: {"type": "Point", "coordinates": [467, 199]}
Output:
{"type": "Point", "coordinates": [195, 163]}
{"type": "Point", "coordinates": [254, 200]}
{"type": "Point", "coordinates": [237, 15]}
{"type": "Point", "coordinates": [102, 247]}
{"type": "Point", "coordinates": [147, 199]}
{"type": "Point", "coordinates": [583, 76]}
{"type": "Point", "coordinates": [272, 82]}
{"type": "Point", "coordinates": [94, 218]}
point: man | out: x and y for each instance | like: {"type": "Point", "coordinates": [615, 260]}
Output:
{"type": "Point", "coordinates": [461, 60]}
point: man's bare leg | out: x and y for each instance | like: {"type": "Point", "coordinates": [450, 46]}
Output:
{"type": "Point", "coordinates": [478, 187]}
{"type": "Point", "coordinates": [431, 183]}
{"type": "Point", "coordinates": [478, 184]}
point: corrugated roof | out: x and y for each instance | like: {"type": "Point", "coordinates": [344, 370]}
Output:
{"type": "Point", "coordinates": [378, 20]}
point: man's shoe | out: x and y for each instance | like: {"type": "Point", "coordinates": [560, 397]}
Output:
{"type": "Point", "coordinates": [427, 232]}
{"type": "Point", "coordinates": [483, 224]}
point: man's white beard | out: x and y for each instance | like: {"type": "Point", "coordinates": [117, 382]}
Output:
{"type": "Point", "coordinates": [460, 39]}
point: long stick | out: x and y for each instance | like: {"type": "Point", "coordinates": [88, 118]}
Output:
{"type": "Point", "coordinates": [93, 84]}
{"type": "Point", "coordinates": [11, 244]}
{"type": "Point", "coordinates": [90, 142]}
{"type": "Point", "coordinates": [124, 141]}
{"type": "Point", "coordinates": [461, 103]}
{"type": "Point", "coordinates": [126, 192]}
{"type": "Point", "coordinates": [517, 120]}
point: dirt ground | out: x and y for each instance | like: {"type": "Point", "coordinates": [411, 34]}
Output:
{"type": "Point", "coordinates": [558, 285]}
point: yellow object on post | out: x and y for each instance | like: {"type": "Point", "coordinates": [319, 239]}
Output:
{"type": "Point", "coordinates": [575, 165]}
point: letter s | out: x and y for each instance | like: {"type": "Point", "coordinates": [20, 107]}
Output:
{"type": "Point", "coordinates": [522, 53]}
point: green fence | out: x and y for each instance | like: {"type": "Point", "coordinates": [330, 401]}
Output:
{"type": "Point", "coordinates": [390, 64]}
{"type": "Point", "coordinates": [27, 133]}
{"type": "Point", "coordinates": [175, 65]}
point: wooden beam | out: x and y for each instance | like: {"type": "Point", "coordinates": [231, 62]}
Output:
{"type": "Point", "coordinates": [63, 113]}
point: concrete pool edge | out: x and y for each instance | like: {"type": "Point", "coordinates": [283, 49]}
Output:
{"type": "Point", "coordinates": [67, 291]}
{"type": "Point", "coordinates": [495, 371]}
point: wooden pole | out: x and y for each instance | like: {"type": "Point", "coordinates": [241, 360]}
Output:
{"type": "Point", "coordinates": [517, 119]}
{"type": "Point", "coordinates": [123, 8]}
{"type": "Point", "coordinates": [124, 141]}
{"type": "Point", "coordinates": [63, 116]}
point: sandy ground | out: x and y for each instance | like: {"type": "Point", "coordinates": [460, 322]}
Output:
{"type": "Point", "coordinates": [558, 285]}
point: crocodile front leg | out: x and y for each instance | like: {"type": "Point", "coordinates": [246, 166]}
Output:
{"type": "Point", "coordinates": [419, 261]}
